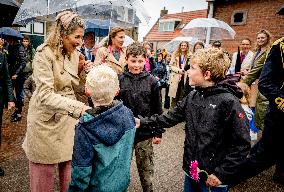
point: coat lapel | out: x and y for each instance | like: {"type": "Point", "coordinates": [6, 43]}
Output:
{"type": "Point", "coordinates": [71, 66]}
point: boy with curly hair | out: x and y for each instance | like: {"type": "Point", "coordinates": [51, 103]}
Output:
{"type": "Point", "coordinates": [217, 136]}
{"type": "Point", "coordinates": [140, 92]}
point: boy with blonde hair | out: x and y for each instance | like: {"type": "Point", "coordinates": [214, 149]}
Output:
{"type": "Point", "coordinates": [104, 138]}
{"type": "Point", "coordinates": [216, 131]}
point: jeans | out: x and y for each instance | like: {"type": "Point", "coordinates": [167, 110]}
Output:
{"type": "Point", "coordinates": [189, 186]}
{"type": "Point", "coordinates": [18, 85]}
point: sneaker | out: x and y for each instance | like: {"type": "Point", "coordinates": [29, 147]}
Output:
{"type": "Point", "coordinates": [16, 118]}
{"type": "Point", "coordinates": [1, 172]}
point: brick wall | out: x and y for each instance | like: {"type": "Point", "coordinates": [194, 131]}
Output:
{"type": "Point", "coordinates": [261, 15]}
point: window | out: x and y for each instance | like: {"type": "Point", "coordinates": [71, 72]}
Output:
{"type": "Point", "coordinates": [124, 14]}
{"type": "Point", "coordinates": [239, 17]}
{"type": "Point", "coordinates": [37, 28]}
{"type": "Point", "coordinates": [167, 26]}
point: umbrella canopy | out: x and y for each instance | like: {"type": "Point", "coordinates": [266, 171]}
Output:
{"type": "Point", "coordinates": [8, 11]}
{"type": "Point", "coordinates": [100, 29]}
{"type": "Point", "coordinates": [10, 32]}
{"type": "Point", "coordinates": [123, 11]}
{"type": "Point", "coordinates": [174, 43]}
{"type": "Point", "coordinates": [127, 41]}
{"type": "Point", "coordinates": [281, 10]}
{"type": "Point", "coordinates": [198, 28]}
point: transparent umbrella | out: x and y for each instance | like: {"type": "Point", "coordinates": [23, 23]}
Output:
{"type": "Point", "coordinates": [174, 43]}
{"type": "Point", "coordinates": [199, 28]}
{"type": "Point", "coordinates": [127, 41]}
{"type": "Point", "coordinates": [123, 11]}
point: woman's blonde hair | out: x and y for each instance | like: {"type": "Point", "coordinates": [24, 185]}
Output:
{"type": "Point", "coordinates": [214, 60]}
{"type": "Point", "coordinates": [268, 35]}
{"type": "Point", "coordinates": [63, 27]}
{"type": "Point", "coordinates": [113, 33]}
{"type": "Point", "coordinates": [179, 52]}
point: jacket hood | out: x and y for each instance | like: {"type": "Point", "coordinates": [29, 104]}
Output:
{"type": "Point", "coordinates": [140, 75]}
{"type": "Point", "coordinates": [226, 85]}
{"type": "Point", "coordinates": [108, 124]}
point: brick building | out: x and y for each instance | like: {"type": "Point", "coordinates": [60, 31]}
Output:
{"type": "Point", "coordinates": [248, 17]}
{"type": "Point", "coordinates": [168, 26]}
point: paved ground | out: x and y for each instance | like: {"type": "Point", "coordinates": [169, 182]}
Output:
{"type": "Point", "coordinates": [168, 159]}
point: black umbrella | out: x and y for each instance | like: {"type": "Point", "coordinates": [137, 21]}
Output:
{"type": "Point", "coordinates": [281, 10]}
{"type": "Point", "coordinates": [8, 11]}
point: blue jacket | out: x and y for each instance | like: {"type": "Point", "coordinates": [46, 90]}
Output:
{"type": "Point", "coordinates": [103, 150]}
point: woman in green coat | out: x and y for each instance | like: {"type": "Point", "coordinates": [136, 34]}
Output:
{"type": "Point", "coordinates": [261, 103]}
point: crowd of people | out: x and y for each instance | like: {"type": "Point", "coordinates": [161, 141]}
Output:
{"type": "Point", "coordinates": [91, 108]}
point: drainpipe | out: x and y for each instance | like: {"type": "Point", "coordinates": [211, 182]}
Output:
{"type": "Point", "coordinates": [210, 15]}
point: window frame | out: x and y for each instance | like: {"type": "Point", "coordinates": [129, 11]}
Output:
{"type": "Point", "coordinates": [245, 14]}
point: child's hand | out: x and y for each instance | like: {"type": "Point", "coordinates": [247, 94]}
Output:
{"type": "Point", "coordinates": [137, 123]}
{"type": "Point", "coordinates": [156, 140]}
{"type": "Point", "coordinates": [213, 181]}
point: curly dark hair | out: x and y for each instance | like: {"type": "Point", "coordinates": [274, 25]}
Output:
{"type": "Point", "coordinates": [136, 49]}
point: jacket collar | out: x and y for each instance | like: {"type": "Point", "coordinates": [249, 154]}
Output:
{"type": "Point", "coordinates": [68, 64]}
{"type": "Point", "coordinates": [113, 60]}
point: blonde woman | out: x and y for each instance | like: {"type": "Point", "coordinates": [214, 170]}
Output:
{"type": "Point", "coordinates": [113, 53]}
{"type": "Point", "coordinates": [177, 75]}
{"type": "Point", "coordinates": [53, 109]}
{"type": "Point", "coordinates": [257, 100]}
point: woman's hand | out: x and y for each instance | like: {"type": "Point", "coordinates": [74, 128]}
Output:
{"type": "Point", "coordinates": [11, 105]}
{"type": "Point", "coordinates": [85, 108]}
{"type": "Point", "coordinates": [88, 65]}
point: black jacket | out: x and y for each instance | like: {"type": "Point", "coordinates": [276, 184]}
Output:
{"type": "Point", "coordinates": [6, 89]}
{"type": "Point", "coordinates": [216, 129]}
{"type": "Point", "coordinates": [141, 94]}
{"type": "Point", "coordinates": [271, 82]}
{"type": "Point", "coordinates": [16, 59]}
{"type": "Point", "coordinates": [160, 71]}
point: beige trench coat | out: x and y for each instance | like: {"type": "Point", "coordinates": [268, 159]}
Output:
{"type": "Point", "coordinates": [174, 77]}
{"type": "Point", "coordinates": [104, 56]}
{"type": "Point", "coordinates": [53, 109]}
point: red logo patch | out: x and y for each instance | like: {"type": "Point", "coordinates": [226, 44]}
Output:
{"type": "Point", "coordinates": [241, 115]}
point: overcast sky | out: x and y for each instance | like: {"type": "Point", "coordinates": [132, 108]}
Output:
{"type": "Point", "coordinates": [173, 6]}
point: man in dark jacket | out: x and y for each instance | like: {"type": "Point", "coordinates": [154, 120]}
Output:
{"type": "Point", "coordinates": [266, 152]}
{"type": "Point", "coordinates": [6, 89]}
{"type": "Point", "coordinates": [87, 49]}
{"type": "Point", "coordinates": [17, 63]}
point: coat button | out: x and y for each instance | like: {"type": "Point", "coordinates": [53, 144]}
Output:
{"type": "Point", "coordinates": [61, 72]}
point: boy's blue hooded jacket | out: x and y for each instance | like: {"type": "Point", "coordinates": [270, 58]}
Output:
{"type": "Point", "coordinates": [103, 149]}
